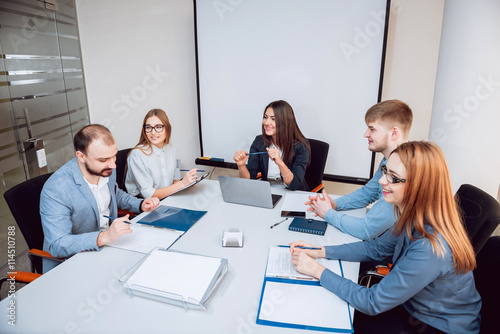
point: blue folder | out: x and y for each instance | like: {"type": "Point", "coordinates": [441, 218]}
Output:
{"type": "Point", "coordinates": [172, 218]}
{"type": "Point", "coordinates": [300, 326]}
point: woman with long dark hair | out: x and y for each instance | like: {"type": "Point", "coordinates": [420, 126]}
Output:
{"type": "Point", "coordinates": [151, 163]}
{"type": "Point", "coordinates": [430, 287]}
{"type": "Point", "coordinates": [283, 153]}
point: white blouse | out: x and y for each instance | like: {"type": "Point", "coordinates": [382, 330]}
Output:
{"type": "Point", "coordinates": [273, 171]}
{"type": "Point", "coordinates": [146, 173]}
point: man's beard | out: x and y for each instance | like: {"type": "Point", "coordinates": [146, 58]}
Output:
{"type": "Point", "coordinates": [380, 147]}
{"type": "Point", "coordinates": [103, 173]}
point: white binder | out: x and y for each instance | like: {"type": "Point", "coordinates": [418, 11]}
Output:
{"type": "Point", "coordinates": [177, 278]}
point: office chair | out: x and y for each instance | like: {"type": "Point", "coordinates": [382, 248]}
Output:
{"type": "Point", "coordinates": [121, 164]}
{"type": "Point", "coordinates": [24, 204]}
{"type": "Point", "coordinates": [480, 212]}
{"type": "Point", "coordinates": [486, 278]}
{"type": "Point", "coordinates": [121, 170]}
{"type": "Point", "coordinates": [314, 172]}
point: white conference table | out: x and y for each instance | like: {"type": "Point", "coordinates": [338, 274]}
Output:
{"type": "Point", "coordinates": [83, 294]}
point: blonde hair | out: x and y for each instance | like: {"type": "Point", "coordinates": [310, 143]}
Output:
{"type": "Point", "coordinates": [428, 200]}
{"type": "Point", "coordinates": [392, 113]}
{"type": "Point", "coordinates": [144, 144]}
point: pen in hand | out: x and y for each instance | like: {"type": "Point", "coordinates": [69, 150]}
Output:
{"type": "Point", "coordinates": [300, 247]}
{"type": "Point", "coordinates": [113, 218]}
{"type": "Point", "coordinates": [279, 222]}
{"type": "Point", "coordinates": [253, 153]}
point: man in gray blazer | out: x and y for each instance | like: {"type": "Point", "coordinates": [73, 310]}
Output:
{"type": "Point", "coordinates": [76, 197]}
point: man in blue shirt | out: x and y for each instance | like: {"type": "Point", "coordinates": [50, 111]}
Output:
{"type": "Point", "coordinates": [389, 124]}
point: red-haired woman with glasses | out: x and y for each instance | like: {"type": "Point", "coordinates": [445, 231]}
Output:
{"type": "Point", "coordinates": [430, 287]}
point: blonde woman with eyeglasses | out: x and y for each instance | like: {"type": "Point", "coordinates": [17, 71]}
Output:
{"type": "Point", "coordinates": [430, 287]}
{"type": "Point", "coordinates": [151, 163]}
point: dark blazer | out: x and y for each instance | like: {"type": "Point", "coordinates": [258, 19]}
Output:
{"type": "Point", "coordinates": [260, 162]}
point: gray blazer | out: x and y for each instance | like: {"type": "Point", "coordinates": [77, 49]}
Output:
{"type": "Point", "coordinates": [70, 217]}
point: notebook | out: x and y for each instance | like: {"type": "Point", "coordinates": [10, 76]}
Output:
{"type": "Point", "coordinates": [247, 192]}
{"type": "Point", "coordinates": [308, 226]}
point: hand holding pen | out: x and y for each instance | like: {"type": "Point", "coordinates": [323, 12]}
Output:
{"type": "Point", "coordinates": [119, 227]}
{"type": "Point", "coordinates": [302, 246]}
{"type": "Point", "coordinates": [240, 157]}
{"type": "Point", "coordinates": [305, 262]}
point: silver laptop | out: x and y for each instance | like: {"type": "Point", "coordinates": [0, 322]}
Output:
{"type": "Point", "coordinates": [247, 192]}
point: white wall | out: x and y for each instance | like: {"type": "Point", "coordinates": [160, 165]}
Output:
{"type": "Point", "coordinates": [122, 41]}
{"type": "Point", "coordinates": [466, 116]}
{"type": "Point", "coordinates": [139, 55]}
{"type": "Point", "coordinates": [412, 57]}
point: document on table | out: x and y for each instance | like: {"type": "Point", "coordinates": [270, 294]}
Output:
{"type": "Point", "coordinates": [303, 302]}
{"type": "Point", "coordinates": [294, 201]}
{"type": "Point", "coordinates": [303, 306]}
{"type": "Point", "coordinates": [177, 274]}
{"type": "Point", "coordinates": [279, 265]}
{"type": "Point", "coordinates": [144, 238]}
{"type": "Point", "coordinates": [159, 228]}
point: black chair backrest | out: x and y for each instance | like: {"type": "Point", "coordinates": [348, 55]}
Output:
{"type": "Point", "coordinates": [486, 278]}
{"type": "Point", "coordinates": [121, 163]}
{"type": "Point", "coordinates": [24, 204]}
{"type": "Point", "coordinates": [319, 154]}
{"type": "Point", "coordinates": [481, 213]}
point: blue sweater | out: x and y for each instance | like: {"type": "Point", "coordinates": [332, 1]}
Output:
{"type": "Point", "coordinates": [378, 219]}
{"type": "Point", "coordinates": [425, 284]}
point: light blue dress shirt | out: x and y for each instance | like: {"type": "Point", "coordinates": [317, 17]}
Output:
{"type": "Point", "coordinates": [146, 173]}
{"type": "Point", "coordinates": [378, 219]}
{"type": "Point", "coordinates": [425, 284]}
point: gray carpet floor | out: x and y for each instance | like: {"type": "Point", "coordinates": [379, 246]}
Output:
{"type": "Point", "coordinates": [22, 263]}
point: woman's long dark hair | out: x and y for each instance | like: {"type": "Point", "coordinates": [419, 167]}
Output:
{"type": "Point", "coordinates": [287, 130]}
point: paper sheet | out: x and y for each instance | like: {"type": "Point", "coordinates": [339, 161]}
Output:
{"type": "Point", "coordinates": [144, 238]}
{"type": "Point", "coordinates": [186, 275]}
{"type": "Point", "coordinates": [306, 305]}
{"type": "Point", "coordinates": [279, 264]}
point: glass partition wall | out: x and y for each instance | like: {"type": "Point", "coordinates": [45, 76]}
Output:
{"type": "Point", "coordinates": [42, 95]}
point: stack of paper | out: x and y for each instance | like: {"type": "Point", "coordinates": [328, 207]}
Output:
{"type": "Point", "coordinates": [174, 276]}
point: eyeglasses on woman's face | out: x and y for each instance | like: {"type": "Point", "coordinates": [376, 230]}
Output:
{"type": "Point", "coordinates": [157, 127]}
{"type": "Point", "coordinates": [390, 178]}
